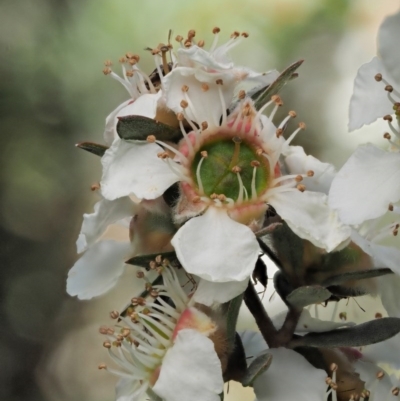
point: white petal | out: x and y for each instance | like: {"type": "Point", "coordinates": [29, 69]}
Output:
{"type": "Point", "coordinates": [307, 323]}
{"type": "Point", "coordinates": [132, 167]}
{"type": "Point", "coordinates": [297, 162]}
{"type": "Point", "coordinates": [190, 370]}
{"type": "Point", "coordinates": [384, 256]}
{"type": "Point", "coordinates": [125, 388]}
{"type": "Point", "coordinates": [366, 184]}
{"type": "Point", "coordinates": [205, 58]}
{"type": "Point", "coordinates": [369, 100]}
{"type": "Point", "coordinates": [290, 377]}
{"type": "Point", "coordinates": [308, 215]}
{"type": "Point", "coordinates": [216, 248]}
{"type": "Point", "coordinates": [105, 213]}
{"type": "Point", "coordinates": [253, 344]}
{"type": "Point", "coordinates": [110, 133]}
{"type": "Point", "coordinates": [389, 33]}
{"type": "Point", "coordinates": [145, 105]}
{"type": "Point", "coordinates": [380, 389]}
{"type": "Point", "coordinates": [208, 293]}
{"type": "Point", "coordinates": [203, 105]}
{"type": "Point", "coordinates": [98, 269]}
{"type": "Point", "coordinates": [388, 289]}
{"type": "Point", "coordinates": [387, 351]}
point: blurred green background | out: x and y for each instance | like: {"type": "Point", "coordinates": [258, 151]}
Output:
{"type": "Point", "coordinates": [53, 95]}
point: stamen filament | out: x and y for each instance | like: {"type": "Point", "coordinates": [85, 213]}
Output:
{"type": "Point", "coordinates": [198, 177]}
{"type": "Point", "coordinates": [253, 184]}
{"type": "Point", "coordinates": [241, 188]}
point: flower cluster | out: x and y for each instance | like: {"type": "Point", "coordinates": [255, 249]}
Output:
{"type": "Point", "coordinates": [202, 182]}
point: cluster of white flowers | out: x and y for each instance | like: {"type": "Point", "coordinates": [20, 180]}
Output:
{"type": "Point", "coordinates": [202, 182]}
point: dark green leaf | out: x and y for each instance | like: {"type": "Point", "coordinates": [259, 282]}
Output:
{"type": "Point", "coordinates": [367, 333]}
{"type": "Point", "coordinates": [356, 275]}
{"type": "Point", "coordinates": [282, 285]}
{"type": "Point", "coordinates": [308, 295]}
{"type": "Point", "coordinates": [144, 260]}
{"type": "Point", "coordinates": [313, 355]}
{"type": "Point", "coordinates": [236, 367]}
{"type": "Point", "coordinates": [92, 147]}
{"type": "Point", "coordinates": [289, 249]}
{"type": "Point", "coordinates": [140, 127]}
{"type": "Point", "coordinates": [256, 368]}
{"type": "Point", "coordinates": [263, 95]}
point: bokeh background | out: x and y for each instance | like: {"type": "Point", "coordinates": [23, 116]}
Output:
{"type": "Point", "coordinates": [53, 95]}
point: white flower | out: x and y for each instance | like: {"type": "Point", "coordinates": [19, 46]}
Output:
{"type": "Point", "coordinates": [201, 70]}
{"type": "Point", "coordinates": [166, 349]}
{"type": "Point", "coordinates": [229, 172]}
{"type": "Point", "coordinates": [103, 260]}
{"type": "Point", "coordinates": [370, 100]}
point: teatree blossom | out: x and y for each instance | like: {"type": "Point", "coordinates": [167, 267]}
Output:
{"type": "Point", "coordinates": [377, 85]}
{"type": "Point", "coordinates": [167, 349]}
{"type": "Point", "coordinates": [218, 244]}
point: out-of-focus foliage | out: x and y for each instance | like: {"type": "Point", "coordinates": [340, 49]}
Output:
{"type": "Point", "coordinates": [53, 94]}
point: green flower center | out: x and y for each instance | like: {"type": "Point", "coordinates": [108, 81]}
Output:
{"type": "Point", "coordinates": [230, 167]}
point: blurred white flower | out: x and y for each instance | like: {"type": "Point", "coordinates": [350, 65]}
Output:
{"type": "Point", "coordinates": [377, 85]}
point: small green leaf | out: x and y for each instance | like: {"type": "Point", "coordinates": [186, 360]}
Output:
{"type": "Point", "coordinates": [356, 275]}
{"type": "Point", "coordinates": [256, 368]}
{"type": "Point", "coordinates": [140, 127]}
{"type": "Point", "coordinates": [367, 333]}
{"type": "Point", "coordinates": [221, 396]}
{"type": "Point", "coordinates": [263, 95]}
{"type": "Point", "coordinates": [144, 260]}
{"type": "Point", "coordinates": [92, 147]}
{"type": "Point", "coordinates": [308, 295]}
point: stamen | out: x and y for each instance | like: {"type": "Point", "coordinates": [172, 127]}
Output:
{"type": "Point", "coordinates": [215, 31]}
{"type": "Point", "coordinates": [302, 126]}
{"type": "Point", "coordinates": [241, 186]}
{"type": "Point", "coordinates": [278, 103]}
{"type": "Point", "coordinates": [221, 97]}
{"type": "Point", "coordinates": [291, 114]}
{"type": "Point", "coordinates": [198, 177]}
{"type": "Point", "coordinates": [393, 129]}
{"type": "Point", "coordinates": [254, 164]}
{"type": "Point", "coordinates": [180, 117]}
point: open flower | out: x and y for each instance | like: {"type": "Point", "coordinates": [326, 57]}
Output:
{"type": "Point", "coordinates": [377, 85]}
{"type": "Point", "coordinates": [165, 349]}
{"type": "Point", "coordinates": [229, 171]}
